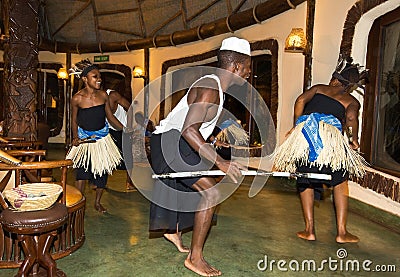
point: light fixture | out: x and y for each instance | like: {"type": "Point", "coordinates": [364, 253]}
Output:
{"type": "Point", "coordinates": [62, 73]}
{"type": "Point", "coordinates": [296, 41]}
{"type": "Point", "coordinates": [138, 72]}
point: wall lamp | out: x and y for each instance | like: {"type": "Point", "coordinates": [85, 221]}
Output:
{"type": "Point", "coordinates": [62, 73]}
{"type": "Point", "coordinates": [296, 41]}
{"type": "Point", "coordinates": [138, 72]}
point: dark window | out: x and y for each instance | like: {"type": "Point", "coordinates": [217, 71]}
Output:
{"type": "Point", "coordinates": [381, 138]}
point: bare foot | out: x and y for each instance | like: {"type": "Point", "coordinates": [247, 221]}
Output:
{"type": "Point", "coordinates": [100, 208]}
{"type": "Point", "coordinates": [347, 237]}
{"type": "Point", "coordinates": [177, 241]}
{"type": "Point", "coordinates": [130, 187]}
{"type": "Point", "coordinates": [201, 267]}
{"type": "Point", "coordinates": [306, 235]}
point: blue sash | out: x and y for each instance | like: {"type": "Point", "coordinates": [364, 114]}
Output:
{"type": "Point", "coordinates": [311, 131]}
{"type": "Point", "coordinates": [95, 135]}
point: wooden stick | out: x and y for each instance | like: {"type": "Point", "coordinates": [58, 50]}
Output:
{"type": "Point", "coordinates": [244, 173]}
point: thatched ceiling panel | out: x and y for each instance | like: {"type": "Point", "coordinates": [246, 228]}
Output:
{"type": "Point", "coordinates": [218, 10]}
{"type": "Point", "coordinates": [79, 29]}
{"type": "Point", "coordinates": [155, 15]}
{"type": "Point", "coordinates": [245, 5]}
{"type": "Point", "coordinates": [171, 27]}
{"type": "Point", "coordinates": [108, 36]}
{"type": "Point", "coordinates": [127, 23]}
{"type": "Point", "coordinates": [193, 6]}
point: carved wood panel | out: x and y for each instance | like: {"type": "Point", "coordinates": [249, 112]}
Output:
{"type": "Point", "coordinates": [20, 69]}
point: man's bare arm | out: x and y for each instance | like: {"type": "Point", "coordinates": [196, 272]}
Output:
{"type": "Point", "coordinates": [199, 112]}
{"type": "Point", "coordinates": [116, 97]}
{"type": "Point", "coordinates": [110, 116]}
{"type": "Point", "coordinates": [352, 112]}
{"type": "Point", "coordinates": [123, 102]}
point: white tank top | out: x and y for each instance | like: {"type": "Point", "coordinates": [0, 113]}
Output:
{"type": "Point", "coordinates": [120, 113]}
{"type": "Point", "coordinates": [176, 118]}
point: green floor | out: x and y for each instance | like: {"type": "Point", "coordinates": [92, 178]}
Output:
{"type": "Point", "coordinates": [249, 231]}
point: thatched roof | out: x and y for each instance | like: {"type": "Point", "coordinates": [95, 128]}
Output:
{"type": "Point", "coordinates": [121, 25]}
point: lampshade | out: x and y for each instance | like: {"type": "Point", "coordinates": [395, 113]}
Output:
{"type": "Point", "coordinates": [62, 73]}
{"type": "Point", "coordinates": [138, 72]}
{"type": "Point", "coordinates": [296, 41]}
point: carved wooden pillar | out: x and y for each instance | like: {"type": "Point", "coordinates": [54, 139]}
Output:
{"type": "Point", "coordinates": [20, 68]}
{"type": "Point", "coordinates": [309, 46]}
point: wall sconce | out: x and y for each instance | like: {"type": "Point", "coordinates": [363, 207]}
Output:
{"type": "Point", "coordinates": [62, 73]}
{"type": "Point", "coordinates": [138, 72]}
{"type": "Point", "coordinates": [296, 41]}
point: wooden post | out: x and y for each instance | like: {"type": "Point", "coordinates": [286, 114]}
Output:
{"type": "Point", "coordinates": [68, 97]}
{"type": "Point", "coordinates": [146, 82]}
{"type": "Point", "coordinates": [309, 46]}
{"type": "Point", "coordinates": [20, 68]}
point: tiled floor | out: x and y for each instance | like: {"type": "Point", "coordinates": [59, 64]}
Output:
{"type": "Point", "coordinates": [253, 237]}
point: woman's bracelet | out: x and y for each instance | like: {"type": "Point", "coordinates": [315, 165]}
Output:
{"type": "Point", "coordinates": [214, 141]}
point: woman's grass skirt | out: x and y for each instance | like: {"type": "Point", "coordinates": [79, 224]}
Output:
{"type": "Point", "coordinates": [99, 157]}
{"type": "Point", "coordinates": [336, 152]}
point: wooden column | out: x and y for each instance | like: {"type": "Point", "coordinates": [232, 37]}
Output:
{"type": "Point", "coordinates": [68, 96]}
{"type": "Point", "coordinates": [146, 82]}
{"type": "Point", "coordinates": [309, 46]}
{"type": "Point", "coordinates": [20, 68]}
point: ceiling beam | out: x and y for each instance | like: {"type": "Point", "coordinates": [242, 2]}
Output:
{"type": "Point", "coordinates": [45, 21]}
{"type": "Point", "coordinates": [141, 20]}
{"type": "Point", "coordinates": [117, 12]}
{"type": "Point", "coordinates": [96, 22]}
{"type": "Point", "coordinates": [239, 6]}
{"type": "Point", "coordinates": [119, 31]}
{"type": "Point", "coordinates": [184, 14]}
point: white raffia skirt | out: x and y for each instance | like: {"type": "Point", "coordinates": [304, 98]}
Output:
{"type": "Point", "coordinates": [100, 157]}
{"type": "Point", "coordinates": [336, 152]}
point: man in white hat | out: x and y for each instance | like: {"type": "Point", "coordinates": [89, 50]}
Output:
{"type": "Point", "coordinates": [179, 144]}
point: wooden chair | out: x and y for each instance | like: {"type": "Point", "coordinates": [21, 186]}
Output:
{"type": "Point", "coordinates": [21, 145]}
{"type": "Point", "coordinates": [70, 237]}
{"type": "Point", "coordinates": [34, 230]}
{"type": "Point", "coordinates": [31, 155]}
{"type": "Point", "coordinates": [11, 139]}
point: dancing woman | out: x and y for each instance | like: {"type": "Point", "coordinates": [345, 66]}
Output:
{"type": "Point", "coordinates": [94, 152]}
{"type": "Point", "coordinates": [317, 145]}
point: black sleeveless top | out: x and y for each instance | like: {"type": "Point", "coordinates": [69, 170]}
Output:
{"type": "Point", "coordinates": [322, 103]}
{"type": "Point", "coordinates": [93, 118]}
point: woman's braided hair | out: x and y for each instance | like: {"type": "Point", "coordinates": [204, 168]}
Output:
{"type": "Point", "coordinates": [82, 68]}
{"type": "Point", "coordinates": [349, 74]}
